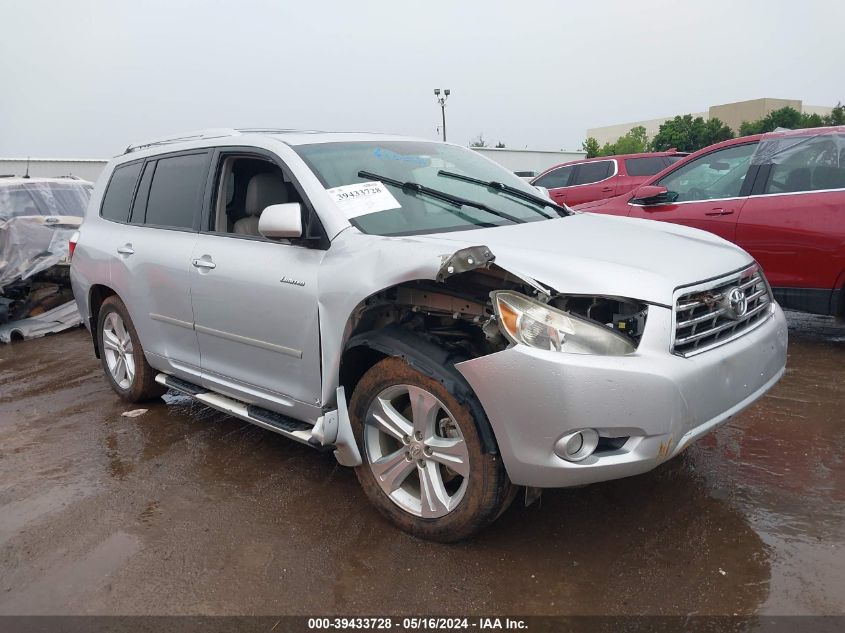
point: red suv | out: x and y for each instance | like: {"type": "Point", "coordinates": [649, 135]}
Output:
{"type": "Point", "coordinates": [602, 177]}
{"type": "Point", "coordinates": [780, 196]}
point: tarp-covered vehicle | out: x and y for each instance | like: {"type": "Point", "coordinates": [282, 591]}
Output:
{"type": "Point", "coordinates": [38, 216]}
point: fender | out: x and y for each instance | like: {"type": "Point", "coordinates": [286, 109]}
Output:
{"type": "Point", "coordinates": [433, 361]}
{"type": "Point", "coordinates": [358, 265]}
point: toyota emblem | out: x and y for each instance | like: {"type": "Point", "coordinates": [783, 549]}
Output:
{"type": "Point", "coordinates": [737, 303]}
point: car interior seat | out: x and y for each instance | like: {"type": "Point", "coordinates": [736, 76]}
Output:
{"type": "Point", "coordinates": [828, 177]}
{"type": "Point", "coordinates": [263, 190]}
{"type": "Point", "coordinates": [798, 180]}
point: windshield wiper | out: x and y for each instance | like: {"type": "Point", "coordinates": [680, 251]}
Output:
{"type": "Point", "coordinates": [516, 193]}
{"type": "Point", "coordinates": [413, 187]}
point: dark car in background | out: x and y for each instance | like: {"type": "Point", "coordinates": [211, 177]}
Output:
{"type": "Point", "coordinates": [780, 196]}
{"type": "Point", "coordinates": [591, 179]}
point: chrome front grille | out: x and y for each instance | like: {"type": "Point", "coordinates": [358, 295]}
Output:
{"type": "Point", "coordinates": [713, 315]}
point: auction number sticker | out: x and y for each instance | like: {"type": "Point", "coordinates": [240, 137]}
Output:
{"type": "Point", "coordinates": [363, 198]}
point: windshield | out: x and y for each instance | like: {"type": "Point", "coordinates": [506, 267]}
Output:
{"type": "Point", "coordinates": [44, 198]}
{"type": "Point", "coordinates": [405, 212]}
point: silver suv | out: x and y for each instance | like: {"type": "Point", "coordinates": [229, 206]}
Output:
{"type": "Point", "coordinates": [434, 320]}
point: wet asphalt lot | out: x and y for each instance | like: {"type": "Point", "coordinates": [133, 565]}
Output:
{"type": "Point", "coordinates": [184, 510]}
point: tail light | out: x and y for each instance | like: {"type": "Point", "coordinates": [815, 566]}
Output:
{"type": "Point", "coordinates": [71, 245]}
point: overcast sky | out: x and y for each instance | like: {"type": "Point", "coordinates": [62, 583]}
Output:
{"type": "Point", "coordinates": [85, 78]}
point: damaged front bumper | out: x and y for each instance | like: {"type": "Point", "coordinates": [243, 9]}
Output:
{"type": "Point", "coordinates": [659, 401]}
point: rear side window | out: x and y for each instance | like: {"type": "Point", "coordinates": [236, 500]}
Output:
{"type": "Point", "coordinates": [810, 164]}
{"type": "Point", "coordinates": [646, 166]}
{"type": "Point", "coordinates": [593, 172]}
{"type": "Point", "coordinates": [176, 191]}
{"type": "Point", "coordinates": [555, 179]}
{"type": "Point", "coordinates": [119, 192]}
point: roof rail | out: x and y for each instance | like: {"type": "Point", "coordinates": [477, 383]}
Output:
{"type": "Point", "coordinates": [274, 130]}
{"type": "Point", "coordinates": [185, 136]}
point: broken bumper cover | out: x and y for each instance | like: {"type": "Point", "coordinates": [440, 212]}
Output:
{"type": "Point", "coordinates": [659, 401]}
{"type": "Point", "coordinates": [58, 319]}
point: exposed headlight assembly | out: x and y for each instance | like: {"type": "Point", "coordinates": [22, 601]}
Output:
{"type": "Point", "coordinates": [524, 320]}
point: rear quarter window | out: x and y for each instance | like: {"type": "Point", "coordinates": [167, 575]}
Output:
{"type": "Point", "coordinates": [646, 166]}
{"type": "Point", "coordinates": [119, 192]}
{"type": "Point", "coordinates": [176, 191]}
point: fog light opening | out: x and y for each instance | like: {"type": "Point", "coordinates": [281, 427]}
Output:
{"type": "Point", "coordinates": [577, 445]}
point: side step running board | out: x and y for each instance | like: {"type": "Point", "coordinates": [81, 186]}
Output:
{"type": "Point", "coordinates": [331, 433]}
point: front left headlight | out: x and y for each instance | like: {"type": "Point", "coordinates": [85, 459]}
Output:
{"type": "Point", "coordinates": [524, 320]}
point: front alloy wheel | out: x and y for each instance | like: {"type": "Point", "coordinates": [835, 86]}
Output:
{"type": "Point", "coordinates": [416, 451]}
{"type": "Point", "coordinates": [424, 466]}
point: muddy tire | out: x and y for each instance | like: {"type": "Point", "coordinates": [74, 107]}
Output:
{"type": "Point", "coordinates": [122, 356]}
{"type": "Point", "coordinates": [423, 463]}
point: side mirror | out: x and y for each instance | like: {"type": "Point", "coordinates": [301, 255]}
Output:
{"type": "Point", "coordinates": [544, 191]}
{"type": "Point", "coordinates": [653, 195]}
{"type": "Point", "coordinates": [281, 220]}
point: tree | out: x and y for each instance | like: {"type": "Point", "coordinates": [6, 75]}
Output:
{"type": "Point", "coordinates": [836, 116]}
{"type": "Point", "coordinates": [784, 117]}
{"type": "Point", "coordinates": [478, 141]}
{"type": "Point", "coordinates": [591, 146]}
{"type": "Point", "coordinates": [715, 132]}
{"type": "Point", "coordinates": [792, 119]}
{"type": "Point", "coordinates": [634, 141]}
{"type": "Point", "coordinates": [680, 133]}
{"type": "Point", "coordinates": [500, 145]}
{"type": "Point", "coordinates": [688, 134]}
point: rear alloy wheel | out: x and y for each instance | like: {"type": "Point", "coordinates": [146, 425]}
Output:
{"type": "Point", "coordinates": [423, 462]}
{"type": "Point", "coordinates": [122, 355]}
{"type": "Point", "coordinates": [118, 351]}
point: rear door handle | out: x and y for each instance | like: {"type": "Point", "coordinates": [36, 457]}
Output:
{"type": "Point", "coordinates": [719, 212]}
{"type": "Point", "coordinates": [204, 263]}
{"type": "Point", "coordinates": [126, 249]}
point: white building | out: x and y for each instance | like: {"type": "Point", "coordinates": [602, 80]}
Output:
{"type": "Point", "coordinates": [85, 168]}
{"type": "Point", "coordinates": [528, 160]}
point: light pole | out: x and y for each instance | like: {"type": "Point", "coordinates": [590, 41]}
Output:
{"type": "Point", "coordinates": [442, 102]}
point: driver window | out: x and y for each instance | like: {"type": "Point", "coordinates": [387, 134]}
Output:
{"type": "Point", "coordinates": [246, 186]}
{"type": "Point", "coordinates": [719, 174]}
{"type": "Point", "coordinates": [555, 179]}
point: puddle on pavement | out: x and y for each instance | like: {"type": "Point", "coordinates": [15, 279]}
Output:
{"type": "Point", "coordinates": [68, 583]}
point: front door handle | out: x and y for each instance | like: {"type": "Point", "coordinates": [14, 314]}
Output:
{"type": "Point", "coordinates": [719, 212]}
{"type": "Point", "coordinates": [126, 249]}
{"type": "Point", "coordinates": [204, 263]}
{"type": "Point", "coordinates": [607, 188]}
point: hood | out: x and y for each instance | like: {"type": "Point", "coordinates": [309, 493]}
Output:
{"type": "Point", "coordinates": [606, 255]}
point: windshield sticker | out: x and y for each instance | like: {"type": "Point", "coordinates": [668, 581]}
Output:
{"type": "Point", "coordinates": [386, 154]}
{"type": "Point", "coordinates": [363, 198]}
